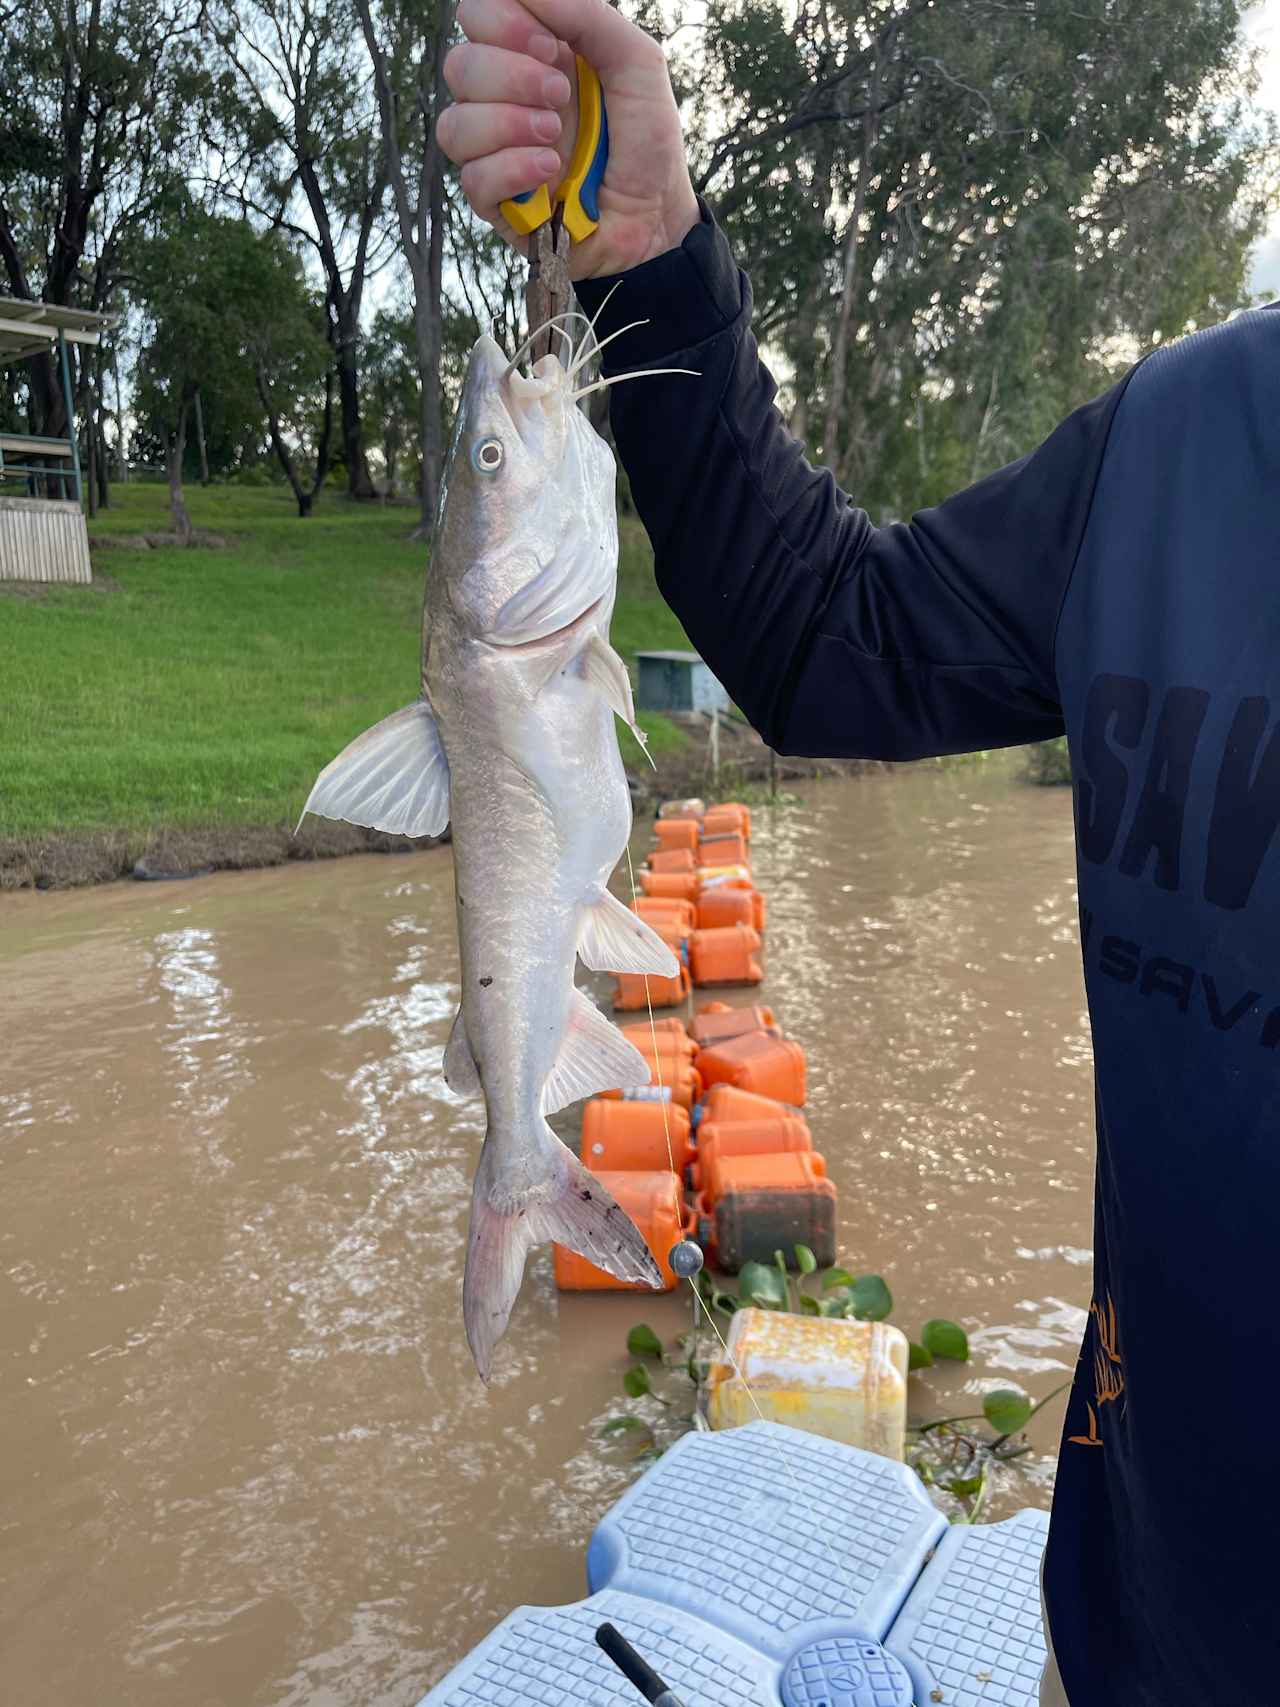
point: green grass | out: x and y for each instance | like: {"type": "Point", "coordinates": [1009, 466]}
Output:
{"type": "Point", "coordinates": [207, 687]}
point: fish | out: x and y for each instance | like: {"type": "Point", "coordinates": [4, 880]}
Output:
{"type": "Point", "coordinates": [513, 743]}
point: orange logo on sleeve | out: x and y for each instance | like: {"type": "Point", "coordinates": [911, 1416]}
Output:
{"type": "Point", "coordinates": [1108, 1369]}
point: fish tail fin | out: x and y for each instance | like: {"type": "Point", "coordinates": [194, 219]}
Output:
{"type": "Point", "coordinates": [571, 1207]}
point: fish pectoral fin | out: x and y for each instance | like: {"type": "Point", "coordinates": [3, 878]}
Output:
{"type": "Point", "coordinates": [569, 1206]}
{"type": "Point", "coordinates": [594, 1056]}
{"type": "Point", "coordinates": [461, 1073]}
{"type": "Point", "coordinates": [394, 777]}
{"type": "Point", "coordinates": [556, 596]}
{"type": "Point", "coordinates": [614, 939]}
{"type": "Point", "coordinates": [605, 670]}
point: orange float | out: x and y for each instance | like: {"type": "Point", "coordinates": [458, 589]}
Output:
{"type": "Point", "coordinates": [637, 991]}
{"type": "Point", "coordinates": [672, 859]}
{"type": "Point", "coordinates": [785, 1135]}
{"type": "Point", "coordinates": [770, 1066]}
{"type": "Point", "coordinates": [674, 885]}
{"type": "Point", "coordinates": [768, 1204]}
{"type": "Point", "coordinates": [676, 832]}
{"type": "Point", "coordinates": [728, 904]}
{"type": "Point", "coordinates": [724, 956]}
{"type": "Point", "coordinates": [720, 850]}
{"type": "Point", "coordinates": [716, 1021]}
{"type": "Point", "coordinates": [630, 1136]}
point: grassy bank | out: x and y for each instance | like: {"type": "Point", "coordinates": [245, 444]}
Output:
{"type": "Point", "coordinates": [199, 691]}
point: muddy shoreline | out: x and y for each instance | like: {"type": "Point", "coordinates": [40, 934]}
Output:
{"type": "Point", "coordinates": [74, 859]}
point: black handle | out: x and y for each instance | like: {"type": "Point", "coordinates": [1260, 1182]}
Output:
{"type": "Point", "coordinates": [634, 1669]}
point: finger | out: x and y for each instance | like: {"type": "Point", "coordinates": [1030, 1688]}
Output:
{"type": "Point", "coordinates": [506, 23]}
{"type": "Point", "coordinates": [476, 72]}
{"type": "Point", "coordinates": [592, 28]}
{"type": "Point", "coordinates": [489, 180]}
{"type": "Point", "coordinates": [474, 128]}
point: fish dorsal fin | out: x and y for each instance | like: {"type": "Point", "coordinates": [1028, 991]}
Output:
{"type": "Point", "coordinates": [394, 777]}
{"type": "Point", "coordinates": [594, 1056]}
{"type": "Point", "coordinates": [613, 939]}
{"type": "Point", "coordinates": [605, 670]}
{"type": "Point", "coordinates": [559, 594]}
{"type": "Point", "coordinates": [460, 1071]}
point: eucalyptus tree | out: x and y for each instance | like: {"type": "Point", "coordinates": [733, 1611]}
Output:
{"type": "Point", "coordinates": [958, 219]}
{"type": "Point", "coordinates": [294, 127]}
{"type": "Point", "coordinates": [96, 100]}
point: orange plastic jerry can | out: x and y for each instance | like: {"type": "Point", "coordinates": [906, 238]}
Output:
{"type": "Point", "coordinates": [666, 1036]}
{"type": "Point", "coordinates": [654, 1203]}
{"type": "Point", "coordinates": [717, 1021]}
{"type": "Point", "coordinates": [671, 859]}
{"type": "Point", "coordinates": [666, 911]}
{"type": "Point", "coordinates": [676, 832]}
{"type": "Point", "coordinates": [721, 850]}
{"type": "Point", "coordinates": [724, 956]}
{"type": "Point", "coordinates": [772, 1203]}
{"type": "Point", "coordinates": [636, 991]}
{"type": "Point", "coordinates": [782, 1135]}
{"type": "Point", "coordinates": [725, 1104]}
{"type": "Point", "coordinates": [728, 819]}
{"type": "Point", "coordinates": [633, 1135]}
{"type": "Point", "coordinates": [676, 885]}
{"type": "Point", "coordinates": [726, 904]}
{"type": "Point", "coordinates": [771, 1066]}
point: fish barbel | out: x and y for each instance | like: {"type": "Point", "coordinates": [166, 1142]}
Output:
{"type": "Point", "coordinates": [513, 742]}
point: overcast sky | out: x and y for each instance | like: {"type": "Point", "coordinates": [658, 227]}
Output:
{"type": "Point", "coordinates": [1264, 28]}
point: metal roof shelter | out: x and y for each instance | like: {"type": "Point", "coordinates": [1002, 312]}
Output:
{"type": "Point", "coordinates": [43, 537]}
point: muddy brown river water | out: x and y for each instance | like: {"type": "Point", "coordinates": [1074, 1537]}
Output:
{"type": "Point", "coordinates": [244, 1458]}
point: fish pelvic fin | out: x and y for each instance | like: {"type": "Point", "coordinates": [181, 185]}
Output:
{"type": "Point", "coordinates": [594, 1056]}
{"type": "Point", "coordinates": [614, 939]}
{"type": "Point", "coordinates": [568, 1206]}
{"type": "Point", "coordinates": [394, 777]}
{"type": "Point", "coordinates": [607, 673]}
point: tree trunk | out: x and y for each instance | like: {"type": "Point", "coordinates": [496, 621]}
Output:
{"type": "Point", "coordinates": [346, 345]}
{"type": "Point", "coordinates": [840, 349]}
{"type": "Point", "coordinates": [200, 444]}
{"type": "Point", "coordinates": [175, 451]}
{"type": "Point", "coordinates": [91, 450]}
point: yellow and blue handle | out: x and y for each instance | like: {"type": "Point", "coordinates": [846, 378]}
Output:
{"type": "Point", "coordinates": [579, 190]}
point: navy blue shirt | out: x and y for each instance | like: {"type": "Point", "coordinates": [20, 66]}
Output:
{"type": "Point", "coordinates": [1121, 584]}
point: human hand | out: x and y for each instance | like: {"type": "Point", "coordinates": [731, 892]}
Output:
{"type": "Point", "coordinates": [513, 123]}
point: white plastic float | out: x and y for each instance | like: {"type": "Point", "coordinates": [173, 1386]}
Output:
{"type": "Point", "coordinates": [820, 1576]}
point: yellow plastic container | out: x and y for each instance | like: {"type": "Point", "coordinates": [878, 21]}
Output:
{"type": "Point", "coordinates": [844, 1380]}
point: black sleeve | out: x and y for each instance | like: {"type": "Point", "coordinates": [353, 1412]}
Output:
{"type": "Point", "coordinates": [835, 637]}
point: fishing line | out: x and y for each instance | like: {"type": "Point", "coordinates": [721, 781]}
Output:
{"type": "Point", "coordinates": [841, 1569]}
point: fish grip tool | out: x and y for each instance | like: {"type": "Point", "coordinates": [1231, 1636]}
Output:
{"type": "Point", "coordinates": [635, 1669]}
{"type": "Point", "coordinates": [554, 218]}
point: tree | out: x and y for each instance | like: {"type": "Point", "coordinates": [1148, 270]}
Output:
{"type": "Point", "coordinates": [225, 310]}
{"type": "Point", "coordinates": [407, 42]}
{"type": "Point", "coordinates": [95, 101]}
{"type": "Point", "coordinates": [293, 103]}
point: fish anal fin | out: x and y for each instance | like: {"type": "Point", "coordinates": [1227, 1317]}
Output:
{"type": "Point", "coordinates": [460, 1071]}
{"type": "Point", "coordinates": [394, 777]}
{"type": "Point", "coordinates": [569, 1206]}
{"type": "Point", "coordinates": [594, 1056]}
{"type": "Point", "coordinates": [614, 939]}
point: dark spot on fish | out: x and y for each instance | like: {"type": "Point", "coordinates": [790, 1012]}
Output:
{"type": "Point", "coordinates": [461, 901]}
{"type": "Point", "coordinates": [485, 983]}
{"type": "Point", "coordinates": [586, 1197]}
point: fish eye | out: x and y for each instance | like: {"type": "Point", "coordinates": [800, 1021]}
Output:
{"type": "Point", "coordinates": [487, 456]}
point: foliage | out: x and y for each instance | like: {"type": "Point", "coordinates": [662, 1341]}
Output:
{"type": "Point", "coordinates": [945, 1453]}
{"type": "Point", "coordinates": [1049, 763]}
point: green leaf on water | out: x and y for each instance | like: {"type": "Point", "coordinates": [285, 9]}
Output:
{"type": "Point", "coordinates": [625, 1425]}
{"type": "Point", "coordinates": [918, 1356]}
{"type": "Point", "coordinates": [1006, 1409]}
{"type": "Point", "coordinates": [834, 1306]}
{"type": "Point", "coordinates": [806, 1262]}
{"type": "Point", "coordinates": [836, 1277]}
{"type": "Point", "coordinates": [871, 1299]}
{"type": "Point", "coordinates": [964, 1487]}
{"type": "Point", "coordinates": [945, 1339]}
{"type": "Point", "coordinates": [763, 1286]}
{"type": "Point", "coordinates": [809, 1306]}
{"type": "Point", "coordinates": [643, 1342]}
{"type": "Point", "coordinates": [636, 1382]}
